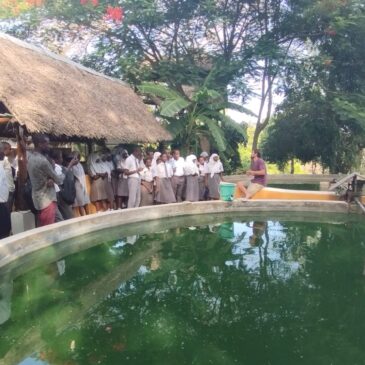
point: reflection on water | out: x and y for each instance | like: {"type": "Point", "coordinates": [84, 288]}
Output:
{"type": "Point", "coordinates": [253, 292]}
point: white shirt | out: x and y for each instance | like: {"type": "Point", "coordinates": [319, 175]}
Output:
{"type": "Point", "coordinates": [131, 164]}
{"type": "Point", "coordinates": [4, 188]}
{"type": "Point", "coordinates": [164, 170]}
{"type": "Point", "coordinates": [147, 175]}
{"type": "Point", "coordinates": [58, 170]}
{"type": "Point", "coordinates": [203, 169]}
{"type": "Point", "coordinates": [178, 166]}
{"type": "Point", "coordinates": [9, 174]}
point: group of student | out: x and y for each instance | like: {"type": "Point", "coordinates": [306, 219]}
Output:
{"type": "Point", "coordinates": [120, 180]}
{"type": "Point", "coordinates": [58, 185]}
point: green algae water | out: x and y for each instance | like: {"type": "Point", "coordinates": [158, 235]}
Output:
{"type": "Point", "coordinates": [229, 290]}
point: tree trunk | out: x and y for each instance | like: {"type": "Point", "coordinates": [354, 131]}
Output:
{"type": "Point", "coordinates": [256, 135]}
{"type": "Point", "coordinates": [292, 168]}
{"type": "Point", "coordinates": [204, 143]}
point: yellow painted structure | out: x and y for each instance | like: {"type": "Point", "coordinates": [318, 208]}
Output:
{"type": "Point", "coordinates": [286, 194]}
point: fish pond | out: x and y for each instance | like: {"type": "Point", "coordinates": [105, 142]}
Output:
{"type": "Point", "coordinates": [266, 289]}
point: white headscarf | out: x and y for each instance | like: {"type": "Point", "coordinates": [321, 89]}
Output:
{"type": "Point", "coordinates": [191, 168]}
{"type": "Point", "coordinates": [214, 167]}
{"type": "Point", "coordinates": [95, 167]}
{"type": "Point", "coordinates": [156, 156]}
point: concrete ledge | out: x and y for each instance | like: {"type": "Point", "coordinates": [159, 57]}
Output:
{"type": "Point", "coordinates": [20, 245]}
{"type": "Point", "coordinates": [289, 179]}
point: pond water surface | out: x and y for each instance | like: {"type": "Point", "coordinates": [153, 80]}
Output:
{"type": "Point", "coordinates": [235, 291]}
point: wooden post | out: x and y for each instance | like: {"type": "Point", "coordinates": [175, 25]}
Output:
{"type": "Point", "coordinates": [22, 167]}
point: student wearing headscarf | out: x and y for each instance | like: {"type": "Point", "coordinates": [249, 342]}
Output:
{"type": "Point", "coordinates": [164, 173]}
{"type": "Point", "coordinates": [82, 198]}
{"type": "Point", "coordinates": [192, 179]}
{"type": "Point", "coordinates": [98, 174]}
{"type": "Point", "coordinates": [214, 175]}
{"type": "Point", "coordinates": [122, 190]}
{"type": "Point", "coordinates": [147, 180]}
{"type": "Point", "coordinates": [156, 157]}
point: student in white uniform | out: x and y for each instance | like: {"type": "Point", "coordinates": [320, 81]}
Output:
{"type": "Point", "coordinates": [98, 174]}
{"type": "Point", "coordinates": [5, 225]}
{"type": "Point", "coordinates": [10, 172]}
{"type": "Point", "coordinates": [164, 173]}
{"type": "Point", "coordinates": [192, 179]}
{"type": "Point", "coordinates": [147, 186]}
{"type": "Point", "coordinates": [82, 198]}
{"type": "Point", "coordinates": [134, 166]}
{"type": "Point", "coordinates": [178, 179]}
{"type": "Point", "coordinates": [214, 176]}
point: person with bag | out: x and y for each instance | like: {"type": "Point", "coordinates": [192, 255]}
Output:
{"type": "Point", "coordinates": [66, 192]}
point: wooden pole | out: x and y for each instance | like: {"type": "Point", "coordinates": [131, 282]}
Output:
{"type": "Point", "coordinates": [22, 168]}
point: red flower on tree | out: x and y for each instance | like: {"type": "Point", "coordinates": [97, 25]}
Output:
{"type": "Point", "coordinates": [93, 2]}
{"type": "Point", "coordinates": [114, 13]}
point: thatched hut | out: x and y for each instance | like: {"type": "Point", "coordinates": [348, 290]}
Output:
{"type": "Point", "coordinates": [50, 94]}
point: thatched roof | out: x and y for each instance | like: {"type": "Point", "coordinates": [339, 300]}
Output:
{"type": "Point", "coordinates": [51, 94]}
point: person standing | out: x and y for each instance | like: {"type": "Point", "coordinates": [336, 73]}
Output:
{"type": "Point", "coordinates": [98, 174]}
{"type": "Point", "coordinates": [10, 173]}
{"type": "Point", "coordinates": [134, 166]}
{"type": "Point", "coordinates": [147, 188]}
{"type": "Point", "coordinates": [164, 173]}
{"type": "Point", "coordinates": [259, 174]}
{"type": "Point", "coordinates": [213, 176]}
{"type": "Point", "coordinates": [82, 197]}
{"type": "Point", "coordinates": [43, 179]}
{"type": "Point", "coordinates": [192, 179]}
{"type": "Point", "coordinates": [65, 192]}
{"type": "Point", "coordinates": [178, 179]}
{"type": "Point", "coordinates": [5, 225]}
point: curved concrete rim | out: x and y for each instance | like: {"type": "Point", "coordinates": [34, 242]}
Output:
{"type": "Point", "coordinates": [20, 245]}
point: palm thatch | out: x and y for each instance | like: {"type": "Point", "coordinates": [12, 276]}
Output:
{"type": "Point", "coordinates": [51, 94]}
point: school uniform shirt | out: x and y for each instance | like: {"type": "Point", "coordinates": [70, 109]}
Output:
{"type": "Point", "coordinates": [203, 169]}
{"type": "Point", "coordinates": [9, 174]}
{"type": "Point", "coordinates": [164, 170]}
{"type": "Point", "coordinates": [4, 188]}
{"type": "Point", "coordinates": [132, 163]}
{"type": "Point", "coordinates": [178, 166]}
{"type": "Point", "coordinates": [147, 174]}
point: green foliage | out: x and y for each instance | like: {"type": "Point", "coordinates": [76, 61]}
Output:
{"type": "Point", "coordinates": [201, 117]}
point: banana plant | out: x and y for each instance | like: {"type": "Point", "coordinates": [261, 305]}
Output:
{"type": "Point", "coordinates": [200, 116]}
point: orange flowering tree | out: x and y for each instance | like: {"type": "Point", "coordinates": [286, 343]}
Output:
{"type": "Point", "coordinates": [109, 10]}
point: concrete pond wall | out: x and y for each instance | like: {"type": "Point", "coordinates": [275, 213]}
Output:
{"type": "Point", "coordinates": [135, 221]}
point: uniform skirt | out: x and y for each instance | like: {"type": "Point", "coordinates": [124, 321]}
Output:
{"type": "Point", "coordinates": [165, 194]}
{"type": "Point", "coordinates": [122, 187]}
{"type": "Point", "coordinates": [98, 190]}
{"type": "Point", "coordinates": [213, 186]}
{"type": "Point", "coordinates": [202, 188]}
{"type": "Point", "coordinates": [82, 197]}
{"type": "Point", "coordinates": [146, 196]}
{"type": "Point", "coordinates": [192, 188]}
{"type": "Point", "coordinates": [109, 190]}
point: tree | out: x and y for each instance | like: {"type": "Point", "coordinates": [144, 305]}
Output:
{"type": "Point", "coordinates": [324, 110]}
{"type": "Point", "coordinates": [200, 117]}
